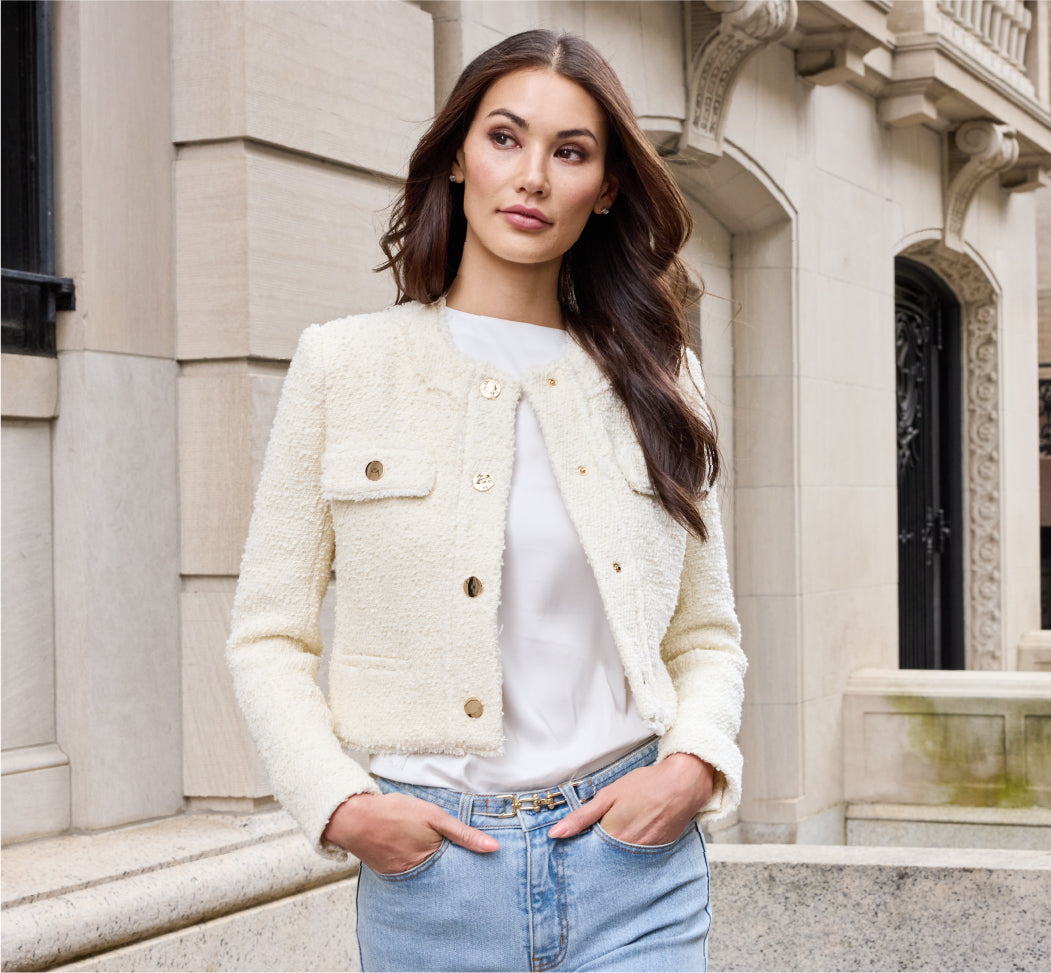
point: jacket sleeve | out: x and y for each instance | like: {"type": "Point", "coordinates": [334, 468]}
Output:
{"type": "Point", "coordinates": [274, 649]}
{"type": "Point", "coordinates": [702, 652]}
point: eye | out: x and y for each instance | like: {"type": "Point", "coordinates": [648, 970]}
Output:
{"type": "Point", "coordinates": [502, 139]}
{"type": "Point", "coordinates": [572, 153]}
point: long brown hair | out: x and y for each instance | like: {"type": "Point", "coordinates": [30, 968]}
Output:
{"type": "Point", "coordinates": [622, 287]}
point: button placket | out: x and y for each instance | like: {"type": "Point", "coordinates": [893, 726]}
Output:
{"type": "Point", "coordinates": [489, 402]}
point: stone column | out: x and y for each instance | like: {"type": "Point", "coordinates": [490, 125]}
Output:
{"type": "Point", "coordinates": [114, 510]}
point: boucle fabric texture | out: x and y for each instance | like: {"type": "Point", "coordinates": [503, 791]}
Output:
{"type": "Point", "coordinates": [382, 427]}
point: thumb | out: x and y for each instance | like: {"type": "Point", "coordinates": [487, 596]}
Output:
{"type": "Point", "coordinates": [583, 817]}
{"type": "Point", "coordinates": [460, 834]}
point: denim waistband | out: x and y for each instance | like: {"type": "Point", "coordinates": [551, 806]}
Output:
{"type": "Point", "coordinates": [509, 803]}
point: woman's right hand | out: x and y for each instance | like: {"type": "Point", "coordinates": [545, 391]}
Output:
{"type": "Point", "coordinates": [395, 832]}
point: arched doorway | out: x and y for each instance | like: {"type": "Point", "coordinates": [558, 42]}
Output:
{"type": "Point", "coordinates": [930, 456]}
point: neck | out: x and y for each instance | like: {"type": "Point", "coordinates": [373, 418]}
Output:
{"type": "Point", "coordinates": [495, 288]}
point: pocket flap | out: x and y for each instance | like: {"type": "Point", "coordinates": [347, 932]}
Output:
{"type": "Point", "coordinates": [353, 471]}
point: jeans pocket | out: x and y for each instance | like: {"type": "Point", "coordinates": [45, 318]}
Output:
{"type": "Point", "coordinates": [416, 870]}
{"type": "Point", "coordinates": [644, 849]}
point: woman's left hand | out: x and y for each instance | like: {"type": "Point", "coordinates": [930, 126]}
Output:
{"type": "Point", "coordinates": [648, 806]}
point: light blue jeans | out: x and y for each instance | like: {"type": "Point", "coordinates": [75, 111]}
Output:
{"type": "Point", "coordinates": [590, 902]}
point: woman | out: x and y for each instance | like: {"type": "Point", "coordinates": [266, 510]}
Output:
{"type": "Point", "coordinates": [509, 471]}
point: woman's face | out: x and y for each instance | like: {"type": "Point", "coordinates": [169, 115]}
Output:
{"type": "Point", "coordinates": [533, 167]}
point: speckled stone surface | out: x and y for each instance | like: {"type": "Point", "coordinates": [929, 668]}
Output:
{"type": "Point", "coordinates": [79, 895]}
{"type": "Point", "coordinates": [69, 862]}
{"type": "Point", "coordinates": [798, 907]}
{"type": "Point", "coordinates": [312, 930]}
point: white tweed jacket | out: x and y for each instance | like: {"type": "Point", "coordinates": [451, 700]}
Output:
{"type": "Point", "coordinates": [390, 461]}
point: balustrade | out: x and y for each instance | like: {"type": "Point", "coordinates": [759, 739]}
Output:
{"type": "Point", "coordinates": [1000, 25]}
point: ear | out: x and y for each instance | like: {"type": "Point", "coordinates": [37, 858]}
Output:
{"type": "Point", "coordinates": [458, 165]}
{"type": "Point", "coordinates": [610, 185]}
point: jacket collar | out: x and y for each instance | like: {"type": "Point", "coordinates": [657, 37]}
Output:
{"type": "Point", "coordinates": [440, 365]}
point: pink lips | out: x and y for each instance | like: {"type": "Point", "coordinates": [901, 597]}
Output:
{"type": "Point", "coordinates": [525, 218]}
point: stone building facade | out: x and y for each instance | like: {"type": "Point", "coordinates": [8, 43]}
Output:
{"type": "Point", "coordinates": [221, 171]}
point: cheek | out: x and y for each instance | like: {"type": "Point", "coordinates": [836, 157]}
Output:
{"type": "Point", "coordinates": [482, 190]}
{"type": "Point", "coordinates": [480, 178]}
{"type": "Point", "coordinates": [580, 196]}
{"type": "Point", "coordinates": [486, 171]}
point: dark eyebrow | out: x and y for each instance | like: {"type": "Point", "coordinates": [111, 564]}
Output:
{"type": "Point", "coordinates": [569, 133]}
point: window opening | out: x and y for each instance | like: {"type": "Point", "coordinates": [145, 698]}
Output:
{"type": "Point", "coordinates": [30, 294]}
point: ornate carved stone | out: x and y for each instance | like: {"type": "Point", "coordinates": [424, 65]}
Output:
{"type": "Point", "coordinates": [983, 481]}
{"type": "Point", "coordinates": [720, 46]}
{"type": "Point", "coordinates": [980, 321]}
{"type": "Point", "coordinates": [984, 148]}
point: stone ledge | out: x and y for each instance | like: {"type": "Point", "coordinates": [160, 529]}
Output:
{"type": "Point", "coordinates": [308, 931]}
{"type": "Point", "coordinates": [844, 856]}
{"type": "Point", "coordinates": [1034, 817]}
{"type": "Point", "coordinates": [76, 895]}
{"type": "Point", "coordinates": [972, 684]}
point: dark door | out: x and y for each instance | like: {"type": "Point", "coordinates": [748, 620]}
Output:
{"type": "Point", "coordinates": [930, 519]}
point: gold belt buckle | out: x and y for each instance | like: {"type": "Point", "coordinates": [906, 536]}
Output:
{"type": "Point", "coordinates": [535, 802]}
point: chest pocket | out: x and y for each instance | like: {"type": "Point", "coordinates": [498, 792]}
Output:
{"type": "Point", "coordinates": [368, 471]}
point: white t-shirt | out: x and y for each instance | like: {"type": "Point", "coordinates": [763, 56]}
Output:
{"type": "Point", "coordinates": [568, 709]}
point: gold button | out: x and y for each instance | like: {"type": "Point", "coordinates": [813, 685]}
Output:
{"type": "Point", "coordinates": [552, 382]}
{"type": "Point", "coordinates": [374, 470]}
{"type": "Point", "coordinates": [473, 586]}
{"type": "Point", "coordinates": [473, 708]}
{"type": "Point", "coordinates": [616, 567]}
{"type": "Point", "coordinates": [582, 470]}
{"type": "Point", "coordinates": [482, 482]}
{"type": "Point", "coordinates": [490, 388]}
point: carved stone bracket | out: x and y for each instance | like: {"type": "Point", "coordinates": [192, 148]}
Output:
{"type": "Point", "coordinates": [834, 56]}
{"type": "Point", "coordinates": [914, 102]}
{"type": "Point", "coordinates": [980, 321]}
{"type": "Point", "coordinates": [720, 46]}
{"type": "Point", "coordinates": [984, 148]}
{"type": "Point", "coordinates": [1031, 172]}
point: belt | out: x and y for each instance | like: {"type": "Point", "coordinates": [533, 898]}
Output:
{"type": "Point", "coordinates": [523, 802]}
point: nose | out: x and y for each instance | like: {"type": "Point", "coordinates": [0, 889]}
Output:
{"type": "Point", "coordinates": [532, 176]}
